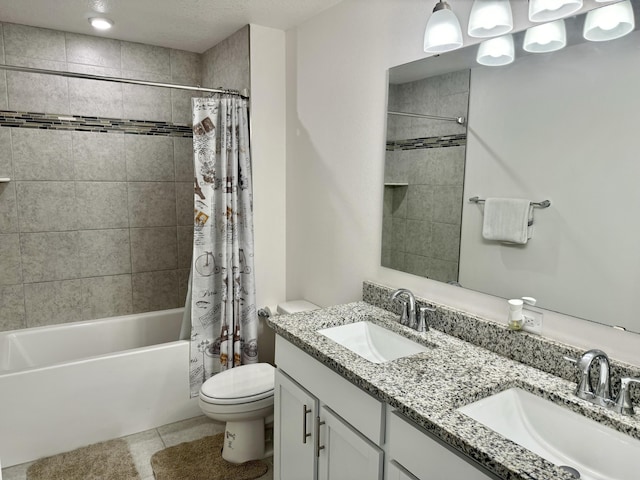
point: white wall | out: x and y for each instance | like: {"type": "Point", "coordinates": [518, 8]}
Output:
{"type": "Point", "coordinates": [336, 102]}
{"type": "Point", "coordinates": [267, 51]}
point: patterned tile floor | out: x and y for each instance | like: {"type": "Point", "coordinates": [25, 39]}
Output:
{"type": "Point", "coordinates": [143, 445]}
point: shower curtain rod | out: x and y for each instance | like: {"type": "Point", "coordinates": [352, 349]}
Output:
{"type": "Point", "coordinates": [121, 80]}
{"type": "Point", "coordinates": [458, 120]}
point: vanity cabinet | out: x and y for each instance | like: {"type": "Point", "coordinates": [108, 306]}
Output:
{"type": "Point", "coordinates": [326, 428]}
{"type": "Point", "coordinates": [319, 419]}
{"type": "Point", "coordinates": [414, 454]}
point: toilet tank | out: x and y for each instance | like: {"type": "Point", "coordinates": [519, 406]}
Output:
{"type": "Point", "coordinates": [296, 306]}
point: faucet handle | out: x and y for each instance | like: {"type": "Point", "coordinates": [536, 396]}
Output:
{"type": "Point", "coordinates": [623, 404]}
{"type": "Point", "coordinates": [423, 325]}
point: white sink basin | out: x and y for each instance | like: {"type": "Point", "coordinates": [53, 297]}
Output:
{"type": "Point", "coordinates": [372, 342]}
{"type": "Point", "coordinates": [559, 435]}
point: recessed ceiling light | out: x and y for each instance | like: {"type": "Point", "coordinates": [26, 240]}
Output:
{"type": "Point", "coordinates": [101, 23]}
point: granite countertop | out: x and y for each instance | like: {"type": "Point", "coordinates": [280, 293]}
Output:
{"type": "Point", "coordinates": [428, 387]}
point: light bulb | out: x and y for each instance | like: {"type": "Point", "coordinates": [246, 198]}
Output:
{"type": "Point", "coordinates": [489, 18]}
{"type": "Point", "coordinates": [609, 22]}
{"type": "Point", "coordinates": [100, 23]}
{"type": "Point", "coordinates": [443, 32]}
{"type": "Point", "coordinates": [548, 10]}
{"type": "Point", "coordinates": [544, 38]}
{"type": "Point", "coordinates": [496, 52]}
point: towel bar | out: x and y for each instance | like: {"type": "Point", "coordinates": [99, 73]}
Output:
{"type": "Point", "coordinates": [543, 204]}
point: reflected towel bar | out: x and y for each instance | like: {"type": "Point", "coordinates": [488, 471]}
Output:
{"type": "Point", "coordinates": [543, 204]}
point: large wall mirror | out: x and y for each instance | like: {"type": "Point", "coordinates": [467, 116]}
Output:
{"type": "Point", "coordinates": [558, 126]}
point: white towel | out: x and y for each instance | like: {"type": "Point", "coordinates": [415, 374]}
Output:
{"type": "Point", "coordinates": [507, 220]}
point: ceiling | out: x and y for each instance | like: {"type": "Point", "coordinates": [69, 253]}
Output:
{"type": "Point", "coordinates": [193, 25]}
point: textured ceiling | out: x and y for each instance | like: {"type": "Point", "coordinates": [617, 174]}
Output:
{"type": "Point", "coordinates": [194, 25]}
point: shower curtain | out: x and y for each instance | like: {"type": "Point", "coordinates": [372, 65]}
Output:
{"type": "Point", "coordinates": [221, 307]}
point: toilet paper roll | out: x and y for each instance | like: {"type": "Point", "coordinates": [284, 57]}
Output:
{"type": "Point", "coordinates": [268, 311]}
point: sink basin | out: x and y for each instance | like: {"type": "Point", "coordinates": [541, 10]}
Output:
{"type": "Point", "coordinates": [372, 342]}
{"type": "Point", "coordinates": [559, 435]}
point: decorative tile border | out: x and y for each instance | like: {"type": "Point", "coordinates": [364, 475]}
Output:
{"type": "Point", "coordinates": [428, 142]}
{"type": "Point", "coordinates": [534, 350]}
{"type": "Point", "coordinates": [92, 124]}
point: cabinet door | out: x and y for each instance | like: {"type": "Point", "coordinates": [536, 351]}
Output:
{"type": "Point", "coordinates": [295, 412]}
{"type": "Point", "coordinates": [426, 457]}
{"type": "Point", "coordinates": [345, 454]}
{"type": "Point", "coordinates": [396, 472]}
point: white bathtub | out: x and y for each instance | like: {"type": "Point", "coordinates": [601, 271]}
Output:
{"type": "Point", "coordinates": [70, 385]}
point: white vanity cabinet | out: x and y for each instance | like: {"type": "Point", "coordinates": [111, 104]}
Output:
{"type": "Point", "coordinates": [326, 428]}
{"type": "Point", "coordinates": [413, 454]}
{"type": "Point", "coordinates": [339, 436]}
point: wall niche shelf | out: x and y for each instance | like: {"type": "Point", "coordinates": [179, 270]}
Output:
{"type": "Point", "coordinates": [5, 179]}
{"type": "Point", "coordinates": [396, 184]}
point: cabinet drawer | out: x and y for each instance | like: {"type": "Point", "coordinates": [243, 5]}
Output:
{"type": "Point", "coordinates": [361, 410]}
{"type": "Point", "coordinates": [426, 457]}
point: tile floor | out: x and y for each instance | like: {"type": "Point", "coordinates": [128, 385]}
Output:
{"type": "Point", "coordinates": [143, 445]}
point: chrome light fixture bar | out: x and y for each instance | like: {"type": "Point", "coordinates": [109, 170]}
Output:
{"type": "Point", "coordinates": [443, 32]}
{"type": "Point", "coordinates": [490, 18]}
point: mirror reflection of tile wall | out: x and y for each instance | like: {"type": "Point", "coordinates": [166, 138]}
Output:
{"type": "Point", "coordinates": [424, 176]}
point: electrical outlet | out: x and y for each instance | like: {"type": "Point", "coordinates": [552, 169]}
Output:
{"type": "Point", "coordinates": [532, 321]}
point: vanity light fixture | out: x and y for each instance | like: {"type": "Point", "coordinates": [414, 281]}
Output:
{"type": "Point", "coordinates": [544, 38]}
{"type": "Point", "coordinates": [443, 32]}
{"type": "Point", "coordinates": [496, 52]}
{"type": "Point", "coordinates": [101, 23]}
{"type": "Point", "coordinates": [490, 18]}
{"type": "Point", "coordinates": [609, 22]}
{"type": "Point", "coordinates": [549, 10]}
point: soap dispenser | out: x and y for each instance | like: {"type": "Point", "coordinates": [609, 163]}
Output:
{"type": "Point", "coordinates": [516, 318]}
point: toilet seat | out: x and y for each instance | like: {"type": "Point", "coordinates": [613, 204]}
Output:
{"type": "Point", "coordinates": [241, 385]}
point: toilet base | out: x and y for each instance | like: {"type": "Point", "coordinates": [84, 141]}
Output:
{"type": "Point", "coordinates": [244, 441]}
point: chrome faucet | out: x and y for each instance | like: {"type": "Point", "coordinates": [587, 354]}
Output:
{"type": "Point", "coordinates": [408, 316]}
{"type": "Point", "coordinates": [602, 395]}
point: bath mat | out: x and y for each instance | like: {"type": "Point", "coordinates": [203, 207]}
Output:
{"type": "Point", "coordinates": [202, 460]}
{"type": "Point", "coordinates": [107, 460]}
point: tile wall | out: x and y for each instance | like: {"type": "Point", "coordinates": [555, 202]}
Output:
{"type": "Point", "coordinates": [424, 175]}
{"type": "Point", "coordinates": [94, 223]}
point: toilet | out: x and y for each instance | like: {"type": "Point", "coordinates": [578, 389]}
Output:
{"type": "Point", "coordinates": [242, 397]}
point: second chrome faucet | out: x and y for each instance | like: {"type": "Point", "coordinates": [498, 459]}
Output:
{"type": "Point", "coordinates": [410, 316]}
{"type": "Point", "coordinates": [602, 394]}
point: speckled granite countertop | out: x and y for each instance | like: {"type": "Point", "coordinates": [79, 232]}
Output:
{"type": "Point", "coordinates": [428, 387]}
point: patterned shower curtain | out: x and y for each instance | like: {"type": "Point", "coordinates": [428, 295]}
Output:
{"type": "Point", "coordinates": [224, 322]}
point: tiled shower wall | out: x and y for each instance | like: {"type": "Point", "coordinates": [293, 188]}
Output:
{"type": "Point", "coordinates": [94, 223]}
{"type": "Point", "coordinates": [424, 175]}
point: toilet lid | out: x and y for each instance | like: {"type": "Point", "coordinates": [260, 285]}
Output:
{"type": "Point", "coordinates": [243, 384]}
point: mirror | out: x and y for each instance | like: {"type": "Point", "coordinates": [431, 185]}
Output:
{"type": "Point", "coordinates": [556, 126]}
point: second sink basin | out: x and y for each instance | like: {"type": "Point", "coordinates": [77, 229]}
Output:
{"type": "Point", "coordinates": [372, 342]}
{"type": "Point", "coordinates": [559, 435]}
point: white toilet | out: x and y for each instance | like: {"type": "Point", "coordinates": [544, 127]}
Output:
{"type": "Point", "coordinates": [243, 398]}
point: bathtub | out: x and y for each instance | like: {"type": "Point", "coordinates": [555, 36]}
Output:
{"type": "Point", "coordinates": [70, 385]}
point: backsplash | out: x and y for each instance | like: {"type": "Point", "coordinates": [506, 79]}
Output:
{"type": "Point", "coordinates": [533, 350]}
